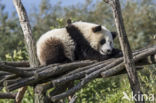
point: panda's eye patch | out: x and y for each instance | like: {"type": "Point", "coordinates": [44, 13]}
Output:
{"type": "Point", "coordinates": [102, 41]}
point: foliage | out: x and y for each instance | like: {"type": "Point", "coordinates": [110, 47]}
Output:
{"type": "Point", "coordinates": [28, 97]}
{"type": "Point", "coordinates": [140, 24]}
{"type": "Point", "coordinates": [10, 33]}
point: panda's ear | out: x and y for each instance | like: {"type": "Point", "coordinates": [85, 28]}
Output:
{"type": "Point", "coordinates": [69, 22]}
{"type": "Point", "coordinates": [114, 34]}
{"type": "Point", "coordinates": [97, 28]}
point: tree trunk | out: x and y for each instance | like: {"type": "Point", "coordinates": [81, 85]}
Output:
{"type": "Point", "coordinates": [127, 53]}
{"type": "Point", "coordinates": [29, 41]}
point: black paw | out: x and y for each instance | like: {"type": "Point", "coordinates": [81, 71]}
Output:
{"type": "Point", "coordinates": [116, 53]}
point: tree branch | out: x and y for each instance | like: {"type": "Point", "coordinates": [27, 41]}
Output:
{"type": "Point", "coordinates": [24, 21]}
{"type": "Point", "coordinates": [60, 74]}
{"type": "Point", "coordinates": [17, 63]}
{"type": "Point", "coordinates": [14, 70]}
{"type": "Point", "coordinates": [56, 70]}
{"type": "Point", "coordinates": [7, 95]}
{"type": "Point", "coordinates": [127, 54]}
{"type": "Point", "coordinates": [97, 73]}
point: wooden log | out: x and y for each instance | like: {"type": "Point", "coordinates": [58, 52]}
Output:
{"type": "Point", "coordinates": [14, 70]}
{"type": "Point", "coordinates": [24, 21]}
{"type": "Point", "coordinates": [74, 72]}
{"type": "Point", "coordinates": [86, 80]}
{"type": "Point", "coordinates": [88, 69]}
{"type": "Point", "coordinates": [127, 54]}
{"type": "Point", "coordinates": [17, 63]}
{"type": "Point", "coordinates": [79, 64]}
{"type": "Point", "coordinates": [7, 95]}
{"type": "Point", "coordinates": [57, 70]}
{"type": "Point", "coordinates": [97, 73]}
{"type": "Point", "coordinates": [5, 78]}
{"type": "Point", "coordinates": [120, 67]}
{"type": "Point", "coordinates": [78, 74]}
{"type": "Point", "coordinates": [73, 100]}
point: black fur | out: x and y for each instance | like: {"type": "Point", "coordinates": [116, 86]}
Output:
{"type": "Point", "coordinates": [59, 56]}
{"type": "Point", "coordinates": [97, 28]}
{"type": "Point", "coordinates": [114, 34]}
{"type": "Point", "coordinates": [83, 50]}
{"type": "Point", "coordinates": [69, 22]}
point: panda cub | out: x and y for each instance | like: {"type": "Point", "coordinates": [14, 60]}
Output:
{"type": "Point", "coordinates": [77, 41]}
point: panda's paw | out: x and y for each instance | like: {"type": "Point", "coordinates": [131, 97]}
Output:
{"type": "Point", "coordinates": [116, 53]}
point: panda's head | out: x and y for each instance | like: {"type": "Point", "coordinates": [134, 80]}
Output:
{"type": "Point", "coordinates": [102, 39]}
{"type": "Point", "coordinates": [99, 37]}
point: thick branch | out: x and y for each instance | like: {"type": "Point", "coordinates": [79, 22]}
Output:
{"type": "Point", "coordinates": [127, 54]}
{"type": "Point", "coordinates": [81, 72]}
{"type": "Point", "coordinates": [78, 73]}
{"type": "Point", "coordinates": [63, 68]}
{"type": "Point", "coordinates": [24, 21]}
{"type": "Point", "coordinates": [14, 70]}
{"type": "Point", "coordinates": [20, 94]}
{"type": "Point", "coordinates": [97, 74]}
{"type": "Point", "coordinates": [137, 59]}
{"type": "Point", "coordinates": [17, 63]}
{"type": "Point", "coordinates": [86, 80]}
{"type": "Point", "coordinates": [56, 70]}
{"type": "Point", "coordinates": [7, 95]}
{"type": "Point", "coordinates": [73, 99]}
{"type": "Point", "coordinates": [79, 69]}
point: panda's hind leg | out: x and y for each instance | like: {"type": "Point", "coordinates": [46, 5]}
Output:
{"type": "Point", "coordinates": [53, 52]}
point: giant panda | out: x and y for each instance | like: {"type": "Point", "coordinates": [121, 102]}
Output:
{"type": "Point", "coordinates": [76, 41]}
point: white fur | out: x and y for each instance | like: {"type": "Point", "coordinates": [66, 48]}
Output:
{"type": "Point", "coordinates": [108, 45]}
{"type": "Point", "coordinates": [62, 35]}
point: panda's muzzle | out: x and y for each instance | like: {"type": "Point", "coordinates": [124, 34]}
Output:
{"type": "Point", "coordinates": [107, 52]}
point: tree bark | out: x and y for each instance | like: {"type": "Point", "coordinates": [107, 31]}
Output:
{"type": "Point", "coordinates": [24, 21]}
{"type": "Point", "coordinates": [17, 63]}
{"type": "Point", "coordinates": [7, 95]}
{"type": "Point", "coordinates": [127, 54]}
{"type": "Point", "coordinates": [25, 25]}
{"type": "Point", "coordinates": [61, 73]}
{"type": "Point", "coordinates": [97, 73]}
{"type": "Point", "coordinates": [84, 70]}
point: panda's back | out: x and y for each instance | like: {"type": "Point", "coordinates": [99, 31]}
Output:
{"type": "Point", "coordinates": [55, 44]}
{"type": "Point", "coordinates": [56, 33]}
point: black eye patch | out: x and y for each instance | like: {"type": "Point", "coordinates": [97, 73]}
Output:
{"type": "Point", "coordinates": [102, 41]}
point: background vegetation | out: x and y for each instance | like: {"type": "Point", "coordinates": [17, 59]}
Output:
{"type": "Point", "coordinates": [140, 21]}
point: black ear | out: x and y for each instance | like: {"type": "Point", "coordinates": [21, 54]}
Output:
{"type": "Point", "coordinates": [114, 34]}
{"type": "Point", "coordinates": [69, 22]}
{"type": "Point", "coordinates": [97, 28]}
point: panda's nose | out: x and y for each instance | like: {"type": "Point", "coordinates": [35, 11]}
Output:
{"type": "Point", "coordinates": [109, 51]}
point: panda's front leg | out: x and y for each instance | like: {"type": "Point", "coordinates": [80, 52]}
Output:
{"type": "Point", "coordinates": [116, 53]}
{"type": "Point", "coordinates": [95, 55]}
